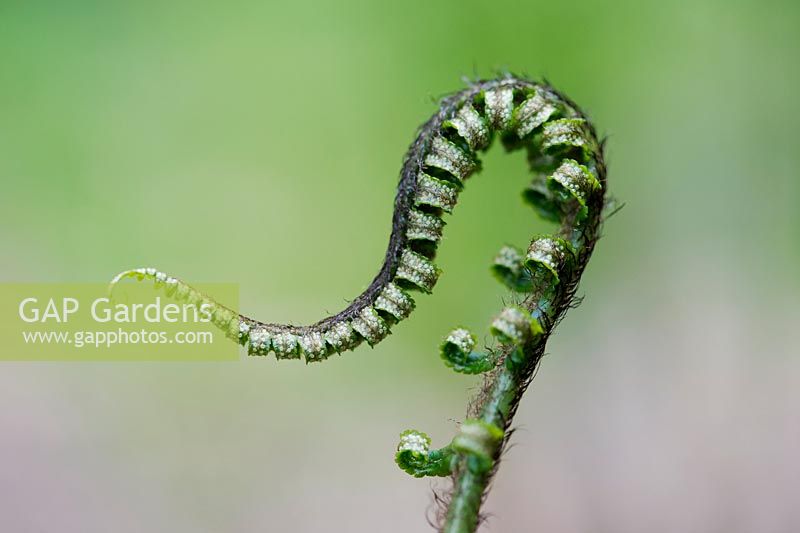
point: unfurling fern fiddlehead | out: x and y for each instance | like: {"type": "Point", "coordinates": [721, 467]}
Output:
{"type": "Point", "coordinates": [568, 187]}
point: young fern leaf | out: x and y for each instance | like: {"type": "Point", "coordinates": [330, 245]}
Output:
{"type": "Point", "coordinates": [509, 269]}
{"type": "Point", "coordinates": [571, 179]}
{"type": "Point", "coordinates": [476, 439]}
{"type": "Point", "coordinates": [549, 256]}
{"type": "Point", "coordinates": [515, 326]}
{"type": "Point", "coordinates": [415, 457]}
{"type": "Point", "coordinates": [457, 352]}
{"type": "Point", "coordinates": [568, 187]}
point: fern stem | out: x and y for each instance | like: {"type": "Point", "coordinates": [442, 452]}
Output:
{"type": "Point", "coordinates": [503, 388]}
{"type": "Point", "coordinates": [470, 485]}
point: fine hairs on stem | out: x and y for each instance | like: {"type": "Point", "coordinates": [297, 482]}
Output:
{"type": "Point", "coordinates": [568, 187]}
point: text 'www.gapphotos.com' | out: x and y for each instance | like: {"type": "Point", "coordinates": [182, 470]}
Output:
{"type": "Point", "coordinates": [97, 339]}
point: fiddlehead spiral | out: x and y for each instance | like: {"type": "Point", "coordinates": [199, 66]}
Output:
{"type": "Point", "coordinates": [568, 187]}
{"type": "Point", "coordinates": [415, 457]}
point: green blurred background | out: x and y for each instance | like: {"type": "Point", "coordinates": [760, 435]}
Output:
{"type": "Point", "coordinates": [261, 144]}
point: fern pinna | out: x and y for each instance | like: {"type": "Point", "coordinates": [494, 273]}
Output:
{"type": "Point", "coordinates": [568, 187]}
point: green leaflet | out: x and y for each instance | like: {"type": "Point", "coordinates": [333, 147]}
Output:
{"type": "Point", "coordinates": [434, 192]}
{"type": "Point", "coordinates": [509, 269]}
{"type": "Point", "coordinates": [515, 325]}
{"type": "Point", "coordinates": [450, 158]}
{"type": "Point", "coordinates": [540, 196]}
{"type": "Point", "coordinates": [457, 352]}
{"type": "Point", "coordinates": [417, 270]}
{"type": "Point", "coordinates": [565, 132]}
{"type": "Point", "coordinates": [549, 256]}
{"type": "Point", "coordinates": [573, 181]}
{"type": "Point", "coordinates": [534, 112]}
{"type": "Point", "coordinates": [424, 226]}
{"type": "Point", "coordinates": [471, 127]}
{"type": "Point", "coordinates": [415, 457]}
{"type": "Point", "coordinates": [479, 441]}
{"type": "Point", "coordinates": [394, 301]}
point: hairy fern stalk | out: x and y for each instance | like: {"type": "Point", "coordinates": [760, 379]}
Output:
{"type": "Point", "coordinates": [568, 187]}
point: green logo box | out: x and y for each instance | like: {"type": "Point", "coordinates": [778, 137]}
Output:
{"type": "Point", "coordinates": [134, 322]}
